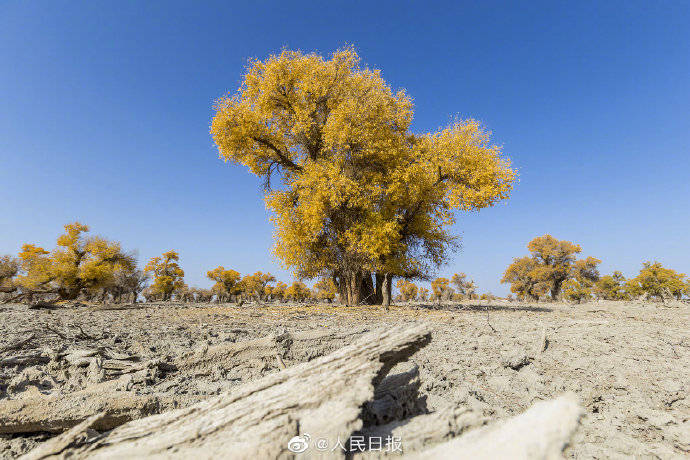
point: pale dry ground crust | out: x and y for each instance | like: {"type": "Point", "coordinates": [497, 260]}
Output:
{"type": "Point", "coordinates": [628, 363]}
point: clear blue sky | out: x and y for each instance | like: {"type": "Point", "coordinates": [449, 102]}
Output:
{"type": "Point", "coordinates": [105, 109]}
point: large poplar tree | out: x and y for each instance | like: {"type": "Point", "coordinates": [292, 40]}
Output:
{"type": "Point", "coordinates": [356, 195]}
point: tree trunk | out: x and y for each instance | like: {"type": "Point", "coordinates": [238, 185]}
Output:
{"type": "Point", "coordinates": [386, 289]}
{"type": "Point", "coordinates": [379, 288]}
{"type": "Point", "coordinates": [352, 281]}
{"type": "Point", "coordinates": [368, 296]}
{"type": "Point", "coordinates": [260, 418]}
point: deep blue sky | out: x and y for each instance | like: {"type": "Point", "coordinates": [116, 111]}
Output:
{"type": "Point", "coordinates": [105, 109]}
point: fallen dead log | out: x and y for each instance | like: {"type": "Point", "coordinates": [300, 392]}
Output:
{"type": "Point", "coordinates": [18, 344]}
{"type": "Point", "coordinates": [421, 431]}
{"type": "Point", "coordinates": [257, 420]}
{"type": "Point", "coordinates": [69, 409]}
{"type": "Point", "coordinates": [541, 432]}
{"type": "Point", "coordinates": [26, 359]}
{"type": "Point", "coordinates": [76, 436]}
{"type": "Point", "coordinates": [291, 347]}
{"type": "Point", "coordinates": [56, 413]}
{"type": "Point", "coordinates": [59, 412]}
{"type": "Point", "coordinates": [26, 417]}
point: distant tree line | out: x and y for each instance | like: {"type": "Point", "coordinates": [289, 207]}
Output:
{"type": "Point", "coordinates": [91, 268]}
{"type": "Point", "coordinates": [553, 270]}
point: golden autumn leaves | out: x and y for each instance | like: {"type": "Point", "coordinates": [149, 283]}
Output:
{"type": "Point", "coordinates": [553, 268]}
{"type": "Point", "coordinates": [358, 192]}
{"type": "Point", "coordinates": [80, 264]}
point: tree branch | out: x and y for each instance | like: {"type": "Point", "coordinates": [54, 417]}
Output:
{"type": "Point", "coordinates": [284, 160]}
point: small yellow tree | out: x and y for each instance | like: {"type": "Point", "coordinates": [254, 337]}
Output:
{"type": "Point", "coordinates": [226, 283]}
{"type": "Point", "coordinates": [423, 294]}
{"type": "Point", "coordinates": [551, 263]}
{"type": "Point", "coordinates": [325, 289]}
{"type": "Point", "coordinates": [298, 291]}
{"type": "Point", "coordinates": [524, 280]}
{"type": "Point", "coordinates": [441, 289]}
{"type": "Point", "coordinates": [263, 280]}
{"type": "Point", "coordinates": [657, 282]}
{"type": "Point", "coordinates": [80, 264]}
{"type": "Point", "coordinates": [408, 290]}
{"type": "Point", "coordinates": [464, 287]}
{"type": "Point", "coordinates": [36, 271]}
{"type": "Point", "coordinates": [611, 287]}
{"type": "Point", "coordinates": [577, 289]}
{"type": "Point", "coordinates": [167, 274]}
{"type": "Point", "coordinates": [256, 285]}
{"type": "Point", "coordinates": [584, 275]}
{"type": "Point", "coordinates": [278, 291]}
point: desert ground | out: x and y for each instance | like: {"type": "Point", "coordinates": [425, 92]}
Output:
{"type": "Point", "coordinates": [628, 364]}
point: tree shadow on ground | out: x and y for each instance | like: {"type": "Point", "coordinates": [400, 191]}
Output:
{"type": "Point", "coordinates": [484, 308]}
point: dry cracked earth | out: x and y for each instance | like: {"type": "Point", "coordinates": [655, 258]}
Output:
{"type": "Point", "coordinates": [628, 363]}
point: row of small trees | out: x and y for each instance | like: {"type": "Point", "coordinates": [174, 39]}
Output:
{"type": "Point", "coordinates": [92, 268]}
{"type": "Point", "coordinates": [553, 269]}
{"type": "Point", "coordinates": [95, 269]}
{"type": "Point", "coordinates": [230, 285]}
{"type": "Point", "coordinates": [458, 288]}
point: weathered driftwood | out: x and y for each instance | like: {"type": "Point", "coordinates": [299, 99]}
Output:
{"type": "Point", "coordinates": [119, 363]}
{"type": "Point", "coordinates": [541, 432]}
{"type": "Point", "coordinates": [18, 344]}
{"type": "Point", "coordinates": [422, 431]}
{"type": "Point", "coordinates": [31, 415]}
{"type": "Point", "coordinates": [58, 412]}
{"type": "Point", "coordinates": [26, 358]}
{"type": "Point", "coordinates": [76, 436]}
{"type": "Point", "coordinates": [293, 347]}
{"type": "Point", "coordinates": [322, 397]}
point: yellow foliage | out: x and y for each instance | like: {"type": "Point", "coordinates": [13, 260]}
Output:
{"type": "Point", "coordinates": [465, 288]}
{"type": "Point", "coordinates": [226, 282]}
{"type": "Point", "coordinates": [441, 289]}
{"type": "Point", "coordinates": [358, 191]}
{"type": "Point", "coordinates": [36, 269]}
{"type": "Point", "coordinates": [278, 291]}
{"type": "Point", "coordinates": [658, 282]}
{"type": "Point", "coordinates": [298, 291]}
{"type": "Point", "coordinates": [256, 285]}
{"type": "Point", "coordinates": [611, 287]}
{"type": "Point", "coordinates": [168, 277]}
{"type": "Point", "coordinates": [423, 294]}
{"type": "Point", "coordinates": [551, 263]}
{"type": "Point", "coordinates": [577, 289]}
{"type": "Point", "coordinates": [408, 290]}
{"type": "Point", "coordinates": [79, 264]}
{"type": "Point", "coordinates": [325, 289]}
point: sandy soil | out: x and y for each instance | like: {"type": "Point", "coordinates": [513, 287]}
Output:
{"type": "Point", "coordinates": [629, 363]}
